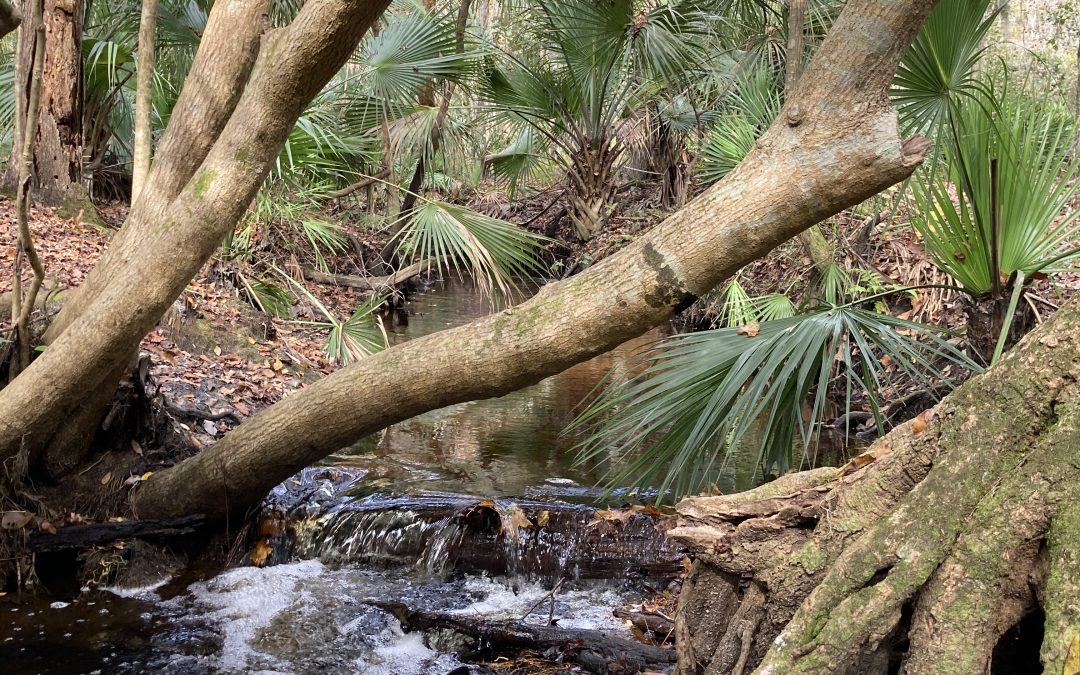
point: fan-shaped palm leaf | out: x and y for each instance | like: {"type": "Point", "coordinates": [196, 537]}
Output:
{"type": "Point", "coordinates": [698, 395]}
{"type": "Point", "coordinates": [940, 65]}
{"type": "Point", "coordinates": [495, 253]}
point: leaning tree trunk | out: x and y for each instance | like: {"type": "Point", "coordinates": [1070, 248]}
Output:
{"type": "Point", "coordinates": [837, 144]}
{"type": "Point", "coordinates": [842, 147]}
{"type": "Point", "coordinates": [965, 523]}
{"type": "Point", "coordinates": [58, 144]}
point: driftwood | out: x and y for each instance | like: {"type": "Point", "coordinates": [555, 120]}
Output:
{"type": "Point", "coordinates": [593, 650]}
{"type": "Point", "coordinates": [195, 413]}
{"type": "Point", "coordinates": [96, 534]}
{"type": "Point", "coordinates": [362, 183]}
{"type": "Point", "coordinates": [660, 626]}
{"type": "Point", "coordinates": [367, 283]}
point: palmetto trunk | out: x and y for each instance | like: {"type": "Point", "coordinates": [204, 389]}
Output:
{"type": "Point", "coordinates": [58, 145]}
{"type": "Point", "coordinates": [592, 187]}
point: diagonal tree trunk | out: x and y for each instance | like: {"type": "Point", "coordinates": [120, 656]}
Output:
{"type": "Point", "coordinates": [837, 145]}
{"type": "Point", "coordinates": [965, 523]}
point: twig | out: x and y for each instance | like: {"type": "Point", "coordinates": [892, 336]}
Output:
{"type": "Point", "coordinates": [551, 596]}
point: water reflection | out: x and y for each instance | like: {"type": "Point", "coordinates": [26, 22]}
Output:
{"type": "Point", "coordinates": [506, 446]}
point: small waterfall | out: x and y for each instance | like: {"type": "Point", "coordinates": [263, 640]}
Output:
{"type": "Point", "coordinates": [523, 539]}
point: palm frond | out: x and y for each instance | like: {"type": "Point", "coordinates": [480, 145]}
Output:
{"type": "Point", "coordinates": [495, 253]}
{"type": "Point", "coordinates": [939, 67]}
{"type": "Point", "coordinates": [1036, 181]}
{"type": "Point", "coordinates": [698, 396]}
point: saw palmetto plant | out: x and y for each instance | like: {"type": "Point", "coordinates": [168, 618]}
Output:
{"type": "Point", "coordinates": [592, 66]}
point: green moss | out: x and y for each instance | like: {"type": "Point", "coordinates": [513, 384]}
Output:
{"type": "Point", "coordinates": [202, 183]}
{"type": "Point", "coordinates": [811, 558]}
{"type": "Point", "coordinates": [77, 202]}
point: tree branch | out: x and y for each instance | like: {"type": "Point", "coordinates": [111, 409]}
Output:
{"type": "Point", "coordinates": [835, 144]}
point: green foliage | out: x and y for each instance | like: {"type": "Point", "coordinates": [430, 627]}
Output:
{"type": "Point", "coordinates": [360, 335]}
{"type": "Point", "coordinates": [451, 237]}
{"type": "Point", "coordinates": [697, 396]}
{"type": "Point", "coordinates": [750, 107]}
{"type": "Point", "coordinates": [939, 68]}
{"type": "Point", "coordinates": [271, 298]}
{"type": "Point", "coordinates": [590, 65]}
{"type": "Point", "coordinates": [1027, 142]}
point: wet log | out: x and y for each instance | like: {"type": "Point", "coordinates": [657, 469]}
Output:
{"type": "Point", "coordinates": [450, 533]}
{"type": "Point", "coordinates": [660, 627]}
{"type": "Point", "coordinates": [97, 534]}
{"type": "Point", "coordinates": [594, 650]}
{"type": "Point", "coordinates": [368, 283]}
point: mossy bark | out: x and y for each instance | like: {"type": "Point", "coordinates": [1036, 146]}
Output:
{"type": "Point", "coordinates": [939, 542]}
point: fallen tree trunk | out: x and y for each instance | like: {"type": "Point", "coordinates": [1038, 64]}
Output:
{"type": "Point", "coordinates": [836, 144]}
{"type": "Point", "coordinates": [593, 650]}
{"type": "Point", "coordinates": [924, 558]}
{"type": "Point", "coordinates": [96, 534]}
{"type": "Point", "coordinates": [368, 283]}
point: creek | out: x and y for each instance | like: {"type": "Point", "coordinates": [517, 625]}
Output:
{"type": "Point", "coordinates": [448, 511]}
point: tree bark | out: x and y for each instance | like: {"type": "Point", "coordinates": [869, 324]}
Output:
{"type": "Point", "coordinates": [820, 250]}
{"type": "Point", "coordinates": [211, 91]}
{"type": "Point", "coordinates": [144, 98]}
{"type": "Point", "coordinates": [293, 65]}
{"type": "Point", "coordinates": [836, 144]}
{"type": "Point", "coordinates": [939, 542]}
{"type": "Point", "coordinates": [58, 141]}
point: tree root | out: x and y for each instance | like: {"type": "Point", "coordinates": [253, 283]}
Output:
{"type": "Point", "coordinates": [949, 521]}
{"type": "Point", "coordinates": [1061, 603]}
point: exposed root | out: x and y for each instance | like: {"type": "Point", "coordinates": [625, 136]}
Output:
{"type": "Point", "coordinates": [949, 520]}
{"type": "Point", "coordinates": [1061, 644]}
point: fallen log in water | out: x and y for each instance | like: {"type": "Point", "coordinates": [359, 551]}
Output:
{"type": "Point", "coordinates": [593, 650]}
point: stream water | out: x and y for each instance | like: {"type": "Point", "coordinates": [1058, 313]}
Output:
{"type": "Point", "coordinates": [308, 615]}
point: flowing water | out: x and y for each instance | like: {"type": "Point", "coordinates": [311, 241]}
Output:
{"type": "Point", "coordinates": [477, 508]}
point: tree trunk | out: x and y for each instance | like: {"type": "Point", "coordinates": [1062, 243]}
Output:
{"type": "Point", "coordinates": [58, 143]}
{"type": "Point", "coordinates": [592, 188]}
{"type": "Point", "coordinates": [836, 146]}
{"type": "Point", "coordinates": [159, 255]}
{"type": "Point", "coordinates": [818, 248]}
{"type": "Point", "coordinates": [965, 523]}
{"type": "Point", "coordinates": [144, 98]}
{"type": "Point", "coordinates": [843, 148]}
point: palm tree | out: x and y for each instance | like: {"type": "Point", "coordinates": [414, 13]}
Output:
{"type": "Point", "coordinates": [590, 66]}
{"type": "Point", "coordinates": [998, 213]}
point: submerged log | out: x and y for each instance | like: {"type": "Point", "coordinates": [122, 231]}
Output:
{"type": "Point", "coordinates": [593, 650]}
